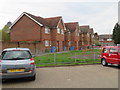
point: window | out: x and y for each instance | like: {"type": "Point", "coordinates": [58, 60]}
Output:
{"type": "Point", "coordinates": [62, 31]}
{"type": "Point", "coordinates": [105, 50]}
{"type": "Point", "coordinates": [78, 33]}
{"type": "Point", "coordinates": [46, 43]}
{"type": "Point", "coordinates": [112, 50]}
{"type": "Point", "coordinates": [58, 30]}
{"type": "Point", "coordinates": [69, 43]}
{"type": "Point", "coordinates": [88, 34]}
{"type": "Point", "coordinates": [50, 43]}
{"type": "Point", "coordinates": [47, 30]}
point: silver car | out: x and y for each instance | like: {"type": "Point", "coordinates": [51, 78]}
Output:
{"type": "Point", "coordinates": [17, 63]}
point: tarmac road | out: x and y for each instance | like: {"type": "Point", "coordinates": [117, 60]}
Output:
{"type": "Point", "coordinates": [84, 76]}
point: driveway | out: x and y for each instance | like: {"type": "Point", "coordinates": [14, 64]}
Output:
{"type": "Point", "coordinates": [84, 76]}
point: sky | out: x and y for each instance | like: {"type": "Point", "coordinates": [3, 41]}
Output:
{"type": "Point", "coordinates": [101, 15]}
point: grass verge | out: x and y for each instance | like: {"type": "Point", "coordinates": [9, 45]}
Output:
{"type": "Point", "coordinates": [61, 59]}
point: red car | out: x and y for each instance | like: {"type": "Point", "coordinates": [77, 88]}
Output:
{"type": "Point", "coordinates": [110, 54]}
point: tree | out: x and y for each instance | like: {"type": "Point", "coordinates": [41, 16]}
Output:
{"type": "Point", "coordinates": [116, 34]}
{"type": "Point", "coordinates": [5, 34]}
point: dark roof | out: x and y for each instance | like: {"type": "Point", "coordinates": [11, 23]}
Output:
{"type": "Point", "coordinates": [71, 26]}
{"type": "Point", "coordinates": [85, 29]}
{"type": "Point", "coordinates": [105, 36]}
{"type": "Point", "coordinates": [37, 18]}
{"type": "Point", "coordinates": [50, 22]}
{"type": "Point", "coordinates": [91, 31]}
{"type": "Point", "coordinates": [53, 21]}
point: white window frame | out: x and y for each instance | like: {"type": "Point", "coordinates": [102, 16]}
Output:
{"type": "Point", "coordinates": [46, 43]}
{"type": "Point", "coordinates": [47, 30]}
{"type": "Point", "coordinates": [50, 43]}
{"type": "Point", "coordinates": [69, 43]}
{"type": "Point", "coordinates": [88, 34]}
{"type": "Point", "coordinates": [62, 31]}
{"type": "Point", "coordinates": [58, 30]}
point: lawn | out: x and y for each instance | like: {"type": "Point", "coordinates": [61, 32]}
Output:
{"type": "Point", "coordinates": [69, 58]}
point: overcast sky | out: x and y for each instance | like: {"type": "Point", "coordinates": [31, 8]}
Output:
{"type": "Point", "coordinates": [101, 15]}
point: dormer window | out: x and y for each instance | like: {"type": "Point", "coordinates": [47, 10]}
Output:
{"type": "Point", "coordinates": [58, 30]}
{"type": "Point", "coordinates": [47, 30]}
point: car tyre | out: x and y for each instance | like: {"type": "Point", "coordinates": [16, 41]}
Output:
{"type": "Point", "coordinates": [104, 63]}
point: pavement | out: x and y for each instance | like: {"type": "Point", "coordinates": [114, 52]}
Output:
{"type": "Point", "coordinates": [84, 76]}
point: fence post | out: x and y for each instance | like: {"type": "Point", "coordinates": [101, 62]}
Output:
{"type": "Point", "coordinates": [94, 55]}
{"type": "Point", "coordinates": [75, 57]}
{"type": "Point", "coordinates": [54, 57]}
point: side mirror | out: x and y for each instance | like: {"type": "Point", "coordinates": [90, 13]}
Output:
{"type": "Point", "coordinates": [115, 52]}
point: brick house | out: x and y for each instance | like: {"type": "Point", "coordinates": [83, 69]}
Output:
{"type": "Point", "coordinates": [48, 31]}
{"type": "Point", "coordinates": [91, 36]}
{"type": "Point", "coordinates": [106, 40]}
{"type": "Point", "coordinates": [86, 35]}
{"type": "Point", "coordinates": [72, 35]}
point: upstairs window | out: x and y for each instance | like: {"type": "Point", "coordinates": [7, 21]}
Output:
{"type": "Point", "coordinates": [62, 31]}
{"type": "Point", "coordinates": [78, 33]}
{"type": "Point", "coordinates": [47, 30]}
{"type": "Point", "coordinates": [58, 30]}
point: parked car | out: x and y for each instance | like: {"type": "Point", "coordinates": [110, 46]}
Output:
{"type": "Point", "coordinates": [110, 54]}
{"type": "Point", "coordinates": [17, 63]}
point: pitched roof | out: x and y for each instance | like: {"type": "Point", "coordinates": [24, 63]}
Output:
{"type": "Point", "coordinates": [85, 29]}
{"type": "Point", "coordinates": [53, 21]}
{"type": "Point", "coordinates": [50, 22]}
{"type": "Point", "coordinates": [37, 18]}
{"type": "Point", "coordinates": [71, 26]}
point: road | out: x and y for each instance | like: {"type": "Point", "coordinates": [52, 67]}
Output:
{"type": "Point", "coordinates": [84, 76]}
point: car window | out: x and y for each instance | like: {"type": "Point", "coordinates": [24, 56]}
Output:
{"type": "Point", "coordinates": [16, 55]}
{"type": "Point", "coordinates": [118, 49]}
{"type": "Point", "coordinates": [112, 50]}
{"type": "Point", "coordinates": [105, 50]}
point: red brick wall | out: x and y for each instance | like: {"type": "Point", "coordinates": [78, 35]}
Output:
{"type": "Point", "coordinates": [25, 29]}
{"type": "Point", "coordinates": [37, 48]}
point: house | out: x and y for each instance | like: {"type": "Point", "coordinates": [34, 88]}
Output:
{"type": "Point", "coordinates": [48, 31]}
{"type": "Point", "coordinates": [106, 40]}
{"type": "Point", "coordinates": [86, 35]}
{"type": "Point", "coordinates": [91, 36]}
{"type": "Point", "coordinates": [72, 35]}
